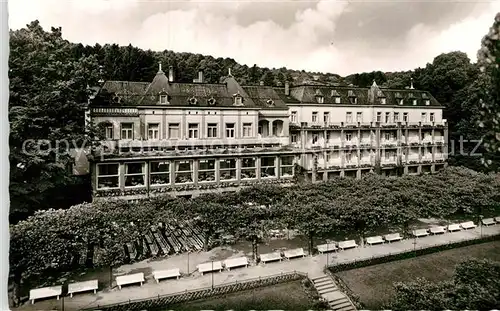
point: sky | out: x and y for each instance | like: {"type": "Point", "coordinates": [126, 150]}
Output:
{"type": "Point", "coordinates": [341, 37]}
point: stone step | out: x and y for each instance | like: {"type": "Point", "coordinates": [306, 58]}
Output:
{"type": "Point", "coordinates": [341, 305]}
{"type": "Point", "coordinates": [322, 282]}
{"type": "Point", "coordinates": [337, 300]}
{"type": "Point", "coordinates": [330, 290]}
{"type": "Point", "coordinates": [322, 286]}
{"type": "Point", "coordinates": [347, 308]}
{"type": "Point", "coordinates": [324, 289]}
{"type": "Point", "coordinates": [320, 278]}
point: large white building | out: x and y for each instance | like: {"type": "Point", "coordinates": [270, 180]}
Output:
{"type": "Point", "coordinates": [190, 138]}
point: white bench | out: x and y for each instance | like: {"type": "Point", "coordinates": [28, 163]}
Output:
{"type": "Point", "coordinates": [391, 237]}
{"type": "Point", "coordinates": [270, 257]}
{"type": "Point", "coordinates": [420, 232]}
{"type": "Point", "coordinates": [210, 267]}
{"type": "Point", "coordinates": [437, 230]}
{"type": "Point", "coordinates": [129, 279]}
{"type": "Point", "coordinates": [235, 262]}
{"type": "Point", "coordinates": [468, 225]}
{"type": "Point", "coordinates": [374, 240]}
{"type": "Point", "coordinates": [347, 244]}
{"type": "Point", "coordinates": [488, 221]}
{"type": "Point", "coordinates": [82, 287]}
{"type": "Point", "coordinates": [454, 227]}
{"type": "Point", "coordinates": [329, 247]}
{"type": "Point", "coordinates": [45, 292]}
{"type": "Point", "coordinates": [292, 253]}
{"type": "Point", "coordinates": [166, 274]}
{"type": "Point", "coordinates": [497, 219]}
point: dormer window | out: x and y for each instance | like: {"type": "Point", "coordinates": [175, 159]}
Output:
{"type": "Point", "coordinates": [414, 102]}
{"type": "Point", "coordinates": [211, 101]}
{"type": "Point", "coordinates": [400, 101]}
{"type": "Point", "coordinates": [192, 101]}
{"type": "Point", "coordinates": [336, 96]}
{"type": "Point", "coordinates": [320, 99]}
{"type": "Point", "coordinates": [238, 99]}
{"type": "Point", "coordinates": [270, 103]}
{"type": "Point", "coordinates": [427, 102]}
{"type": "Point", "coordinates": [163, 99]}
{"type": "Point", "coordinates": [382, 100]}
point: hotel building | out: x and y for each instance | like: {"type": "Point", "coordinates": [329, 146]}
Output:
{"type": "Point", "coordinates": [189, 138]}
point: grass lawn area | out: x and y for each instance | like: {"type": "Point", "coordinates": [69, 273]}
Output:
{"type": "Point", "coordinates": [284, 296]}
{"type": "Point", "coordinates": [373, 284]}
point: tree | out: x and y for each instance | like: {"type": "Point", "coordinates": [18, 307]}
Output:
{"type": "Point", "coordinates": [48, 90]}
{"type": "Point", "coordinates": [474, 286]}
{"type": "Point", "coordinates": [489, 62]}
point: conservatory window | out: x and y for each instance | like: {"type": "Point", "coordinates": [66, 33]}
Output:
{"type": "Point", "coordinates": [227, 169]}
{"type": "Point", "coordinates": [107, 176]}
{"type": "Point", "coordinates": [183, 172]}
{"type": "Point", "coordinates": [135, 174]}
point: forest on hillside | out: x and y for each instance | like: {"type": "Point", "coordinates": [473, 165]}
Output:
{"type": "Point", "coordinates": [49, 79]}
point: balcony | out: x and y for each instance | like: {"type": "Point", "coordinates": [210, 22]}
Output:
{"type": "Point", "coordinates": [132, 112]}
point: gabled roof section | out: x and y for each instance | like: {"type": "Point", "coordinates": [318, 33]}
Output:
{"type": "Point", "coordinates": [159, 84]}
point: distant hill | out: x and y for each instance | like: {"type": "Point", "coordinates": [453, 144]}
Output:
{"type": "Point", "coordinates": [129, 63]}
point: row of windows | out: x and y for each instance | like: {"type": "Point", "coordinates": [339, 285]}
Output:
{"type": "Point", "coordinates": [354, 100]}
{"type": "Point", "coordinates": [173, 132]}
{"type": "Point", "coordinates": [388, 136]}
{"type": "Point", "coordinates": [108, 175]}
{"type": "Point", "coordinates": [388, 155]}
{"type": "Point", "coordinates": [359, 117]}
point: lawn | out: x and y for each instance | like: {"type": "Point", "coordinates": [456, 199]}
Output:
{"type": "Point", "coordinates": [284, 296]}
{"type": "Point", "coordinates": [373, 285]}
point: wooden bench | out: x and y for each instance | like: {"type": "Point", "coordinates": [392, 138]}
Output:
{"type": "Point", "coordinates": [468, 225]}
{"type": "Point", "coordinates": [270, 257]}
{"type": "Point", "coordinates": [391, 237]}
{"type": "Point", "coordinates": [45, 292]}
{"type": "Point", "coordinates": [166, 274]}
{"type": "Point", "coordinates": [497, 219]}
{"type": "Point", "coordinates": [488, 221]}
{"type": "Point", "coordinates": [82, 287]}
{"type": "Point", "coordinates": [454, 227]}
{"type": "Point", "coordinates": [420, 233]}
{"type": "Point", "coordinates": [210, 267]}
{"type": "Point", "coordinates": [374, 240]}
{"type": "Point", "coordinates": [437, 230]}
{"type": "Point", "coordinates": [129, 279]}
{"type": "Point", "coordinates": [329, 247]}
{"type": "Point", "coordinates": [347, 244]}
{"type": "Point", "coordinates": [293, 253]}
{"type": "Point", "coordinates": [235, 262]}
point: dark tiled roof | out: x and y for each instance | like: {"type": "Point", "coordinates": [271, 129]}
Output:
{"type": "Point", "coordinates": [180, 94]}
{"type": "Point", "coordinates": [262, 94]}
{"type": "Point", "coordinates": [285, 98]}
{"type": "Point", "coordinates": [307, 94]}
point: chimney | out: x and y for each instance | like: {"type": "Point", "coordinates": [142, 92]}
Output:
{"type": "Point", "coordinates": [200, 76]}
{"type": "Point", "coordinates": [171, 74]}
{"type": "Point", "coordinates": [287, 88]}
{"type": "Point", "coordinates": [261, 83]}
